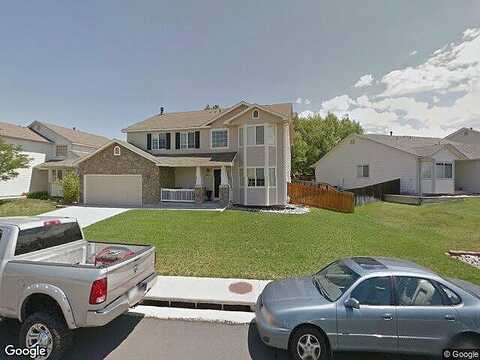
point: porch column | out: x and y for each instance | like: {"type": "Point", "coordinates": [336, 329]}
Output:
{"type": "Point", "coordinates": [224, 187]}
{"type": "Point", "coordinates": [199, 188]}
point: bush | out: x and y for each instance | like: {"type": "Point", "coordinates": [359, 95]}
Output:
{"type": "Point", "coordinates": [40, 195]}
{"type": "Point", "coordinates": [71, 187]}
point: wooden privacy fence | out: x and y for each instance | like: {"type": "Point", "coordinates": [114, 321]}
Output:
{"type": "Point", "coordinates": [321, 196]}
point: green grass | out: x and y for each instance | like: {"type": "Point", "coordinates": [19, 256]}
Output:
{"type": "Point", "coordinates": [25, 207]}
{"type": "Point", "coordinates": [264, 246]}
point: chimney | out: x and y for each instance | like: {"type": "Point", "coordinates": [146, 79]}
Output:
{"type": "Point", "coordinates": [391, 133]}
{"type": "Point", "coordinates": [161, 110]}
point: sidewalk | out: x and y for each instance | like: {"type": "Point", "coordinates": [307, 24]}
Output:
{"type": "Point", "coordinates": [179, 292]}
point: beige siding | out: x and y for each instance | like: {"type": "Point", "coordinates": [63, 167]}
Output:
{"type": "Point", "coordinates": [466, 136]}
{"type": "Point", "coordinates": [467, 175]}
{"type": "Point", "coordinates": [339, 167]}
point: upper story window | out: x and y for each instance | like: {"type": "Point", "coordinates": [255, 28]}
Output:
{"type": "Point", "coordinates": [187, 140]}
{"type": "Point", "coordinates": [444, 170]}
{"type": "Point", "coordinates": [255, 114]}
{"type": "Point", "coordinates": [116, 151]}
{"type": "Point", "coordinates": [363, 171]}
{"type": "Point", "coordinates": [258, 135]}
{"type": "Point", "coordinates": [219, 138]}
{"type": "Point", "coordinates": [61, 150]}
{"type": "Point", "coordinates": [161, 141]}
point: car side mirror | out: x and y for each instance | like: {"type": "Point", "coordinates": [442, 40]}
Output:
{"type": "Point", "coordinates": [352, 303]}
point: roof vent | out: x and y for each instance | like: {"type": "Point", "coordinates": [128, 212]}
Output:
{"type": "Point", "coordinates": [162, 109]}
{"type": "Point", "coordinates": [74, 128]}
{"type": "Point", "coordinates": [391, 133]}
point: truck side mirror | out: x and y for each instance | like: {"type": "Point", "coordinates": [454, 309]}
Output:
{"type": "Point", "coordinates": [352, 303]}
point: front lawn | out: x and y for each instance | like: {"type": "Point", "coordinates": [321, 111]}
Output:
{"type": "Point", "coordinates": [25, 207]}
{"type": "Point", "coordinates": [254, 245]}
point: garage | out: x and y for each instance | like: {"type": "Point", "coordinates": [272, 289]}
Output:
{"type": "Point", "coordinates": [113, 190]}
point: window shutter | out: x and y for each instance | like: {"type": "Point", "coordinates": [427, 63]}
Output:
{"type": "Point", "coordinates": [177, 140]}
{"type": "Point", "coordinates": [197, 139]}
{"type": "Point", "coordinates": [149, 141]}
{"type": "Point", "coordinates": [167, 135]}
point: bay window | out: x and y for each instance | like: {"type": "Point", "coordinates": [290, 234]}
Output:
{"type": "Point", "coordinates": [444, 170]}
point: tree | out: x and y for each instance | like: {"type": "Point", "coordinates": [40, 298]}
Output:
{"type": "Point", "coordinates": [11, 159]}
{"type": "Point", "coordinates": [213, 107]}
{"type": "Point", "coordinates": [71, 187]}
{"type": "Point", "coordinates": [315, 136]}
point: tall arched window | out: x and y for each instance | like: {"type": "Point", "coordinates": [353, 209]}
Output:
{"type": "Point", "coordinates": [116, 151]}
{"type": "Point", "coordinates": [255, 114]}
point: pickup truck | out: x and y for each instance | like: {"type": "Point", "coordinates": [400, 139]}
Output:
{"type": "Point", "coordinates": [51, 282]}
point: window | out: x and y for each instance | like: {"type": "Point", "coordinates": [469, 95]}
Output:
{"type": "Point", "coordinates": [155, 145]}
{"type": "Point", "coordinates": [240, 136]}
{"type": "Point", "coordinates": [270, 134]}
{"type": "Point", "coordinates": [57, 175]}
{"type": "Point", "coordinates": [256, 177]}
{"type": "Point", "coordinates": [451, 297]}
{"type": "Point", "coordinates": [116, 151]}
{"type": "Point", "coordinates": [255, 114]}
{"type": "Point", "coordinates": [162, 140]}
{"type": "Point", "coordinates": [376, 291]}
{"type": "Point", "coordinates": [44, 237]}
{"type": "Point", "coordinates": [412, 291]}
{"type": "Point", "coordinates": [363, 171]}
{"type": "Point", "coordinates": [219, 138]}
{"type": "Point", "coordinates": [241, 174]}
{"type": "Point", "coordinates": [61, 150]}
{"type": "Point", "coordinates": [427, 171]}
{"type": "Point", "coordinates": [272, 178]}
{"type": "Point", "coordinates": [256, 135]}
{"type": "Point", "coordinates": [444, 170]}
{"type": "Point", "coordinates": [187, 140]}
{"type": "Point", "coordinates": [334, 280]}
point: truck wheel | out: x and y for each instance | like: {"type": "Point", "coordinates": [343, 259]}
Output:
{"type": "Point", "coordinates": [48, 331]}
{"type": "Point", "coordinates": [308, 343]}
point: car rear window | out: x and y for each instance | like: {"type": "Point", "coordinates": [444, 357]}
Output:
{"type": "Point", "coordinates": [47, 236]}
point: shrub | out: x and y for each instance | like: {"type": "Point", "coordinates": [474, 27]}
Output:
{"type": "Point", "coordinates": [40, 195]}
{"type": "Point", "coordinates": [71, 187]}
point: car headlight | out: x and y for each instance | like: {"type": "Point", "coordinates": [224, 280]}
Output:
{"type": "Point", "coordinates": [268, 316]}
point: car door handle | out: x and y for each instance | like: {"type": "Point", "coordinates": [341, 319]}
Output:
{"type": "Point", "coordinates": [387, 317]}
{"type": "Point", "coordinates": [449, 317]}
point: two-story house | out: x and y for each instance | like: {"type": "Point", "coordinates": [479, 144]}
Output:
{"type": "Point", "coordinates": [239, 154]}
{"type": "Point", "coordinates": [52, 150]}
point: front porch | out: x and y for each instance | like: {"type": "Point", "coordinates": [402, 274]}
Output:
{"type": "Point", "coordinates": [209, 185]}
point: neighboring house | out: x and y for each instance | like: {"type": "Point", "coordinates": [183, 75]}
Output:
{"type": "Point", "coordinates": [239, 154]}
{"type": "Point", "coordinates": [53, 149]}
{"type": "Point", "coordinates": [424, 165]}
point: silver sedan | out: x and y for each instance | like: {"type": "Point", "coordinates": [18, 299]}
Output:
{"type": "Point", "coordinates": [369, 304]}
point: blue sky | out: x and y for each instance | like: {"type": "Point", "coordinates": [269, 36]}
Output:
{"type": "Point", "coordinates": [102, 65]}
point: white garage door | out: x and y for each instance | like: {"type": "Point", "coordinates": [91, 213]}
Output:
{"type": "Point", "coordinates": [113, 190]}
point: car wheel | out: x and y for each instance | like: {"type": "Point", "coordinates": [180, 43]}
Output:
{"type": "Point", "coordinates": [466, 342]}
{"type": "Point", "coordinates": [46, 331]}
{"type": "Point", "coordinates": [308, 343]}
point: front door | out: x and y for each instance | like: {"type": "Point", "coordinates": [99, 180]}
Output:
{"type": "Point", "coordinates": [217, 178]}
{"type": "Point", "coordinates": [373, 326]}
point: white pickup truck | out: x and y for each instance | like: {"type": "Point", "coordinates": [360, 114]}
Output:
{"type": "Point", "coordinates": [51, 282]}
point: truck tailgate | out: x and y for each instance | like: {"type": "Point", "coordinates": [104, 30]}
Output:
{"type": "Point", "coordinates": [123, 276]}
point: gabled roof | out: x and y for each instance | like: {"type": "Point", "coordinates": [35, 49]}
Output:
{"type": "Point", "coordinates": [198, 119]}
{"type": "Point", "coordinates": [75, 136]}
{"type": "Point", "coordinates": [464, 129]}
{"type": "Point", "coordinates": [20, 132]}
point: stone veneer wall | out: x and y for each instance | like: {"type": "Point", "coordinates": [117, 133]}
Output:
{"type": "Point", "coordinates": [105, 163]}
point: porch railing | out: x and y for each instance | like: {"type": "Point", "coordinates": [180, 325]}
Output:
{"type": "Point", "coordinates": [177, 195]}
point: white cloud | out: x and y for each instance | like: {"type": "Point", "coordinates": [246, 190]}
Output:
{"type": "Point", "coordinates": [452, 71]}
{"type": "Point", "coordinates": [365, 80]}
{"type": "Point", "coordinates": [413, 53]}
{"type": "Point", "coordinates": [307, 101]}
{"type": "Point", "coordinates": [298, 101]}
{"type": "Point", "coordinates": [306, 114]}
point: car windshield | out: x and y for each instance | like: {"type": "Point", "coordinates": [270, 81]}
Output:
{"type": "Point", "coordinates": [334, 280]}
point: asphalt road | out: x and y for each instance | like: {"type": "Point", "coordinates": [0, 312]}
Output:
{"type": "Point", "coordinates": [134, 337]}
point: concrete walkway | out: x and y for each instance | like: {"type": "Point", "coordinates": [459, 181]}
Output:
{"type": "Point", "coordinates": [207, 290]}
{"type": "Point", "coordinates": [87, 215]}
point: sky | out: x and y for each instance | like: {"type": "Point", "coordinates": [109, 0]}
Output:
{"type": "Point", "coordinates": [411, 67]}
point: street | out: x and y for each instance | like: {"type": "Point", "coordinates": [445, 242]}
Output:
{"type": "Point", "coordinates": [134, 337]}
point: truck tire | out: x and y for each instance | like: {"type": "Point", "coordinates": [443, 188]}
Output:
{"type": "Point", "coordinates": [48, 330]}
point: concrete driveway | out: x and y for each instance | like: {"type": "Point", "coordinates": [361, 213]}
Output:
{"type": "Point", "coordinates": [87, 215]}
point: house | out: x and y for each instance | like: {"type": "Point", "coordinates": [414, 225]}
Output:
{"type": "Point", "coordinates": [424, 165]}
{"type": "Point", "coordinates": [239, 154]}
{"type": "Point", "coordinates": [52, 148]}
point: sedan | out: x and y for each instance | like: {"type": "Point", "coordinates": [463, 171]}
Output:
{"type": "Point", "coordinates": [369, 304]}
